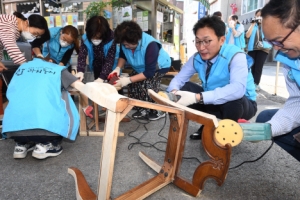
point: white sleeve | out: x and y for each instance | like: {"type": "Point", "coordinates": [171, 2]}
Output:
{"type": "Point", "coordinates": [287, 118]}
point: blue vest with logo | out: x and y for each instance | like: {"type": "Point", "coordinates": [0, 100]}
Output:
{"type": "Point", "coordinates": [266, 45]}
{"type": "Point", "coordinates": [53, 47]}
{"type": "Point", "coordinates": [220, 72]}
{"type": "Point", "coordinates": [294, 64]}
{"type": "Point", "coordinates": [238, 41]}
{"type": "Point", "coordinates": [106, 47]}
{"type": "Point", "coordinates": [37, 101]}
{"type": "Point", "coordinates": [137, 58]}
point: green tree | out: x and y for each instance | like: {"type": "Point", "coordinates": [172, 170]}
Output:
{"type": "Point", "coordinates": [97, 7]}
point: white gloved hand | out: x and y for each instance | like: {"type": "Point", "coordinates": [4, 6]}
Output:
{"type": "Point", "coordinates": [79, 75]}
{"type": "Point", "coordinates": [99, 80]}
{"type": "Point", "coordinates": [116, 71]}
{"type": "Point", "coordinates": [186, 98]}
{"type": "Point", "coordinates": [122, 82]}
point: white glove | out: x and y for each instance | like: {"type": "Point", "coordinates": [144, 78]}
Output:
{"type": "Point", "coordinates": [186, 98]}
{"type": "Point", "coordinates": [79, 75]}
{"type": "Point", "coordinates": [99, 80]}
{"type": "Point", "coordinates": [115, 71]}
{"type": "Point", "coordinates": [122, 82]}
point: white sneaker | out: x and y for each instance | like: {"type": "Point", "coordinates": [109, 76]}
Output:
{"type": "Point", "coordinates": [43, 151]}
{"type": "Point", "coordinates": [22, 149]}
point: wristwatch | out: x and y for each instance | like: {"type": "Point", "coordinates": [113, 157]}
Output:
{"type": "Point", "coordinates": [201, 99]}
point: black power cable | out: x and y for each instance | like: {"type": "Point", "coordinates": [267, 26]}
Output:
{"type": "Point", "coordinates": [147, 144]}
{"type": "Point", "coordinates": [250, 161]}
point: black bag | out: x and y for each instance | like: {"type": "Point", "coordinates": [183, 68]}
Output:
{"type": "Point", "coordinates": [259, 44]}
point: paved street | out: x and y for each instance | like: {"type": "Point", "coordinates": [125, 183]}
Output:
{"type": "Point", "coordinates": [275, 176]}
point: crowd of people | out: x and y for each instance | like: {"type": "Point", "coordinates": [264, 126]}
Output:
{"type": "Point", "coordinates": [229, 71]}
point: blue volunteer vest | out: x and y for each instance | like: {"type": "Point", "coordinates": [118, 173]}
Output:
{"type": "Point", "coordinates": [56, 51]}
{"type": "Point", "coordinates": [106, 47]}
{"type": "Point", "coordinates": [266, 45]}
{"type": "Point", "coordinates": [220, 74]}
{"type": "Point", "coordinates": [294, 64]}
{"type": "Point", "coordinates": [36, 101]}
{"type": "Point", "coordinates": [238, 41]}
{"type": "Point", "coordinates": [137, 58]}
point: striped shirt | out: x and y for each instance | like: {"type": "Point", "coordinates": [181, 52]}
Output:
{"type": "Point", "coordinates": [288, 117]}
{"type": "Point", "coordinates": [9, 34]}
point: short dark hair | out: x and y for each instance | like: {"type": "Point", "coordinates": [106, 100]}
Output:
{"type": "Point", "coordinates": [128, 31]}
{"type": "Point", "coordinates": [288, 12]}
{"type": "Point", "coordinates": [212, 22]}
{"type": "Point", "coordinates": [97, 25]}
{"type": "Point", "coordinates": [218, 14]}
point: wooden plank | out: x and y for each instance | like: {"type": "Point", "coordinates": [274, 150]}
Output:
{"type": "Point", "coordinates": [101, 133]}
{"type": "Point", "coordinates": [125, 112]}
{"type": "Point", "coordinates": [103, 94]}
{"type": "Point", "coordinates": [96, 116]}
{"type": "Point", "coordinates": [91, 124]}
{"type": "Point", "coordinates": [107, 160]}
{"type": "Point", "coordinates": [171, 73]}
{"type": "Point", "coordinates": [147, 188]}
{"type": "Point", "coordinates": [82, 128]}
{"type": "Point", "coordinates": [83, 191]}
{"type": "Point", "coordinates": [144, 104]}
{"type": "Point", "coordinates": [187, 186]}
{"type": "Point", "coordinates": [150, 162]}
{"type": "Point", "coordinates": [200, 117]}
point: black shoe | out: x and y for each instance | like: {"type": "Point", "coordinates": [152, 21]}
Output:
{"type": "Point", "coordinates": [142, 113]}
{"type": "Point", "coordinates": [155, 115]}
{"type": "Point", "coordinates": [197, 135]}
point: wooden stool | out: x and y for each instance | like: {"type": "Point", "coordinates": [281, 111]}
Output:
{"type": "Point", "coordinates": [84, 128]}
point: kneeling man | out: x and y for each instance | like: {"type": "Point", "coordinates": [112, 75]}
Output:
{"type": "Point", "coordinates": [227, 89]}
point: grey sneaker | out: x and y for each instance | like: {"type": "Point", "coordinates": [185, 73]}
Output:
{"type": "Point", "coordinates": [155, 115]}
{"type": "Point", "coordinates": [22, 149]}
{"type": "Point", "coordinates": [140, 114]}
{"type": "Point", "coordinates": [43, 151]}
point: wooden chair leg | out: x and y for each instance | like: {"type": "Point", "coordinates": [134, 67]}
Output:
{"type": "Point", "coordinates": [167, 171]}
{"type": "Point", "coordinates": [83, 190]}
{"type": "Point", "coordinates": [82, 128]}
{"type": "Point", "coordinates": [107, 160]}
{"type": "Point", "coordinates": [96, 116]}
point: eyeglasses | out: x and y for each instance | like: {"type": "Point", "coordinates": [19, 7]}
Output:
{"type": "Point", "coordinates": [280, 43]}
{"type": "Point", "coordinates": [204, 42]}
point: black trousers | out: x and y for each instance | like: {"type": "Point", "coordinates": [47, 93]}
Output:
{"type": "Point", "coordinates": [286, 141]}
{"type": "Point", "coordinates": [238, 109]}
{"type": "Point", "coordinates": [259, 58]}
{"type": "Point", "coordinates": [38, 139]}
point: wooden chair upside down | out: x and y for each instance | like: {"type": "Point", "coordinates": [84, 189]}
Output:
{"type": "Point", "coordinates": [117, 108]}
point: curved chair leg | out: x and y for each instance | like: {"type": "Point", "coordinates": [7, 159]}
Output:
{"type": "Point", "coordinates": [83, 190]}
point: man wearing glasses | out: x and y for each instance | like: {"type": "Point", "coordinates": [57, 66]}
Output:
{"type": "Point", "coordinates": [281, 19]}
{"type": "Point", "coordinates": [227, 89]}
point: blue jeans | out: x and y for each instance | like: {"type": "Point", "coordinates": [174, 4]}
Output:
{"type": "Point", "coordinates": [286, 141]}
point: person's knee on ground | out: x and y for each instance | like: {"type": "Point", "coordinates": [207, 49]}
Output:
{"type": "Point", "coordinates": [265, 115]}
